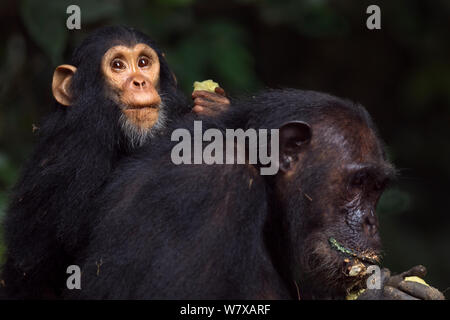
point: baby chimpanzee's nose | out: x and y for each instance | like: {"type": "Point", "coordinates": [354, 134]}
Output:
{"type": "Point", "coordinates": [139, 83]}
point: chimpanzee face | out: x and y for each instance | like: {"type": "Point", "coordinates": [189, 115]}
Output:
{"type": "Point", "coordinates": [337, 182]}
{"type": "Point", "coordinates": [133, 75]}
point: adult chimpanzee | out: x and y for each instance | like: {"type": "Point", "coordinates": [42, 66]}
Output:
{"type": "Point", "coordinates": [117, 93]}
{"type": "Point", "coordinates": [225, 231]}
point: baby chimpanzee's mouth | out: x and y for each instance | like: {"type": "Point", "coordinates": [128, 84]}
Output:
{"type": "Point", "coordinates": [140, 107]}
{"type": "Point", "coordinates": [369, 257]}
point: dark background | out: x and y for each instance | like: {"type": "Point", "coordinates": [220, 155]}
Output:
{"type": "Point", "coordinates": [401, 73]}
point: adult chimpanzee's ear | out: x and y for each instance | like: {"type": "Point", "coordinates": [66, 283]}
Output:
{"type": "Point", "coordinates": [292, 136]}
{"type": "Point", "coordinates": [61, 83]}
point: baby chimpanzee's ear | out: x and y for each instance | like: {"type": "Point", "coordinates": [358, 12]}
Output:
{"type": "Point", "coordinates": [61, 83]}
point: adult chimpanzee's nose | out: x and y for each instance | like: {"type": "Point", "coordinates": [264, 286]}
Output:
{"type": "Point", "coordinates": [370, 224]}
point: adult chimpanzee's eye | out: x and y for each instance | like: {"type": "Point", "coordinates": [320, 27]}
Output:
{"type": "Point", "coordinates": [359, 179]}
{"type": "Point", "coordinates": [143, 62]}
{"type": "Point", "coordinates": [117, 64]}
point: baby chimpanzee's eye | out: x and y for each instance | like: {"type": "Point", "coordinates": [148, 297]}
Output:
{"type": "Point", "coordinates": [143, 62]}
{"type": "Point", "coordinates": [117, 64]}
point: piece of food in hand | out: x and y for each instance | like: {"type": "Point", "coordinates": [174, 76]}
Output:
{"type": "Point", "coordinates": [416, 279]}
{"type": "Point", "coordinates": [417, 287]}
{"type": "Point", "coordinates": [207, 85]}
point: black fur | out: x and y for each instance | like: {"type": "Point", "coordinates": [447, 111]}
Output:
{"type": "Point", "coordinates": [220, 231]}
{"type": "Point", "coordinates": [77, 149]}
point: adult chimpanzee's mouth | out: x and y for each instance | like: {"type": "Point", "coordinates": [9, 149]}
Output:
{"type": "Point", "coordinates": [355, 267]}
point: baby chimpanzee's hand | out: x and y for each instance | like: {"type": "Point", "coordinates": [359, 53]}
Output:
{"type": "Point", "coordinates": [210, 103]}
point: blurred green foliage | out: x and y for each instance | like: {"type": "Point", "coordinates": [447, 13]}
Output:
{"type": "Point", "coordinates": [400, 73]}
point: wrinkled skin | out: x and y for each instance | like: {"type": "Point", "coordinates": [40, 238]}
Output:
{"type": "Point", "coordinates": [340, 175]}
